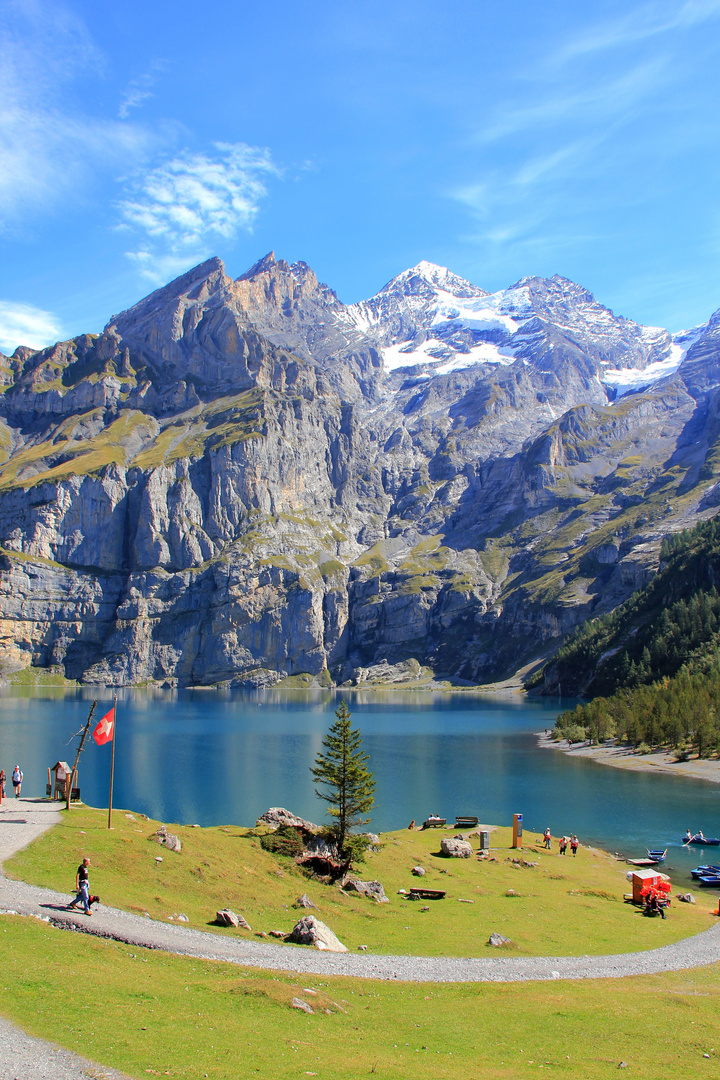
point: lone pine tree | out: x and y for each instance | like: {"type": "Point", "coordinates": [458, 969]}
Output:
{"type": "Point", "coordinates": [344, 781]}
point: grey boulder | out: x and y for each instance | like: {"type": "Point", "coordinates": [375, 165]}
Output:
{"type": "Point", "coordinates": [310, 931]}
{"type": "Point", "coordinates": [373, 889]}
{"type": "Point", "coordinates": [167, 839]}
{"type": "Point", "coordinates": [304, 901]}
{"type": "Point", "coordinates": [276, 816]}
{"type": "Point", "coordinates": [456, 849]}
{"type": "Point", "coordinates": [226, 917]}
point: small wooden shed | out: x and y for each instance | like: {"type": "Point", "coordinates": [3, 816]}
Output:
{"type": "Point", "coordinates": [58, 780]}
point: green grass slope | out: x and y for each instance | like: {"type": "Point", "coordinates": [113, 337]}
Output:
{"type": "Point", "coordinates": [152, 1014]}
{"type": "Point", "coordinates": [561, 906]}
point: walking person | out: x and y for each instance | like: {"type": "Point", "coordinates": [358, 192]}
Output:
{"type": "Point", "coordinates": [563, 843]}
{"type": "Point", "coordinates": [17, 779]}
{"type": "Point", "coordinates": [3, 780]}
{"type": "Point", "coordinates": [574, 844]}
{"type": "Point", "coordinates": [82, 886]}
{"type": "Point", "coordinates": [547, 836]}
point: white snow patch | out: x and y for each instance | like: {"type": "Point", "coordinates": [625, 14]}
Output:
{"type": "Point", "coordinates": [475, 314]}
{"type": "Point", "coordinates": [627, 379]}
{"type": "Point", "coordinates": [398, 356]}
{"type": "Point", "coordinates": [623, 380]}
{"type": "Point", "coordinates": [484, 353]}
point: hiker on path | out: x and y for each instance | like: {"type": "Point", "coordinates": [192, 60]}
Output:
{"type": "Point", "coordinates": [17, 779]}
{"type": "Point", "coordinates": [82, 885]}
{"type": "Point", "coordinates": [563, 842]}
{"type": "Point", "coordinates": [574, 844]}
{"type": "Point", "coordinates": [3, 779]}
{"type": "Point", "coordinates": [547, 836]}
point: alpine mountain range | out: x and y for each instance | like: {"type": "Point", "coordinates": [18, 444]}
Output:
{"type": "Point", "coordinates": [240, 482]}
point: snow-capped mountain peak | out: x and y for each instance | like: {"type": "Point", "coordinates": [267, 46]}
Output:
{"type": "Point", "coordinates": [436, 277]}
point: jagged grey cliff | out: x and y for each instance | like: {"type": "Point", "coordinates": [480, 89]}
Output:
{"type": "Point", "coordinates": [241, 481]}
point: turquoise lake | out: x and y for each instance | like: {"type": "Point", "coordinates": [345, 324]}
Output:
{"type": "Point", "coordinates": [213, 758]}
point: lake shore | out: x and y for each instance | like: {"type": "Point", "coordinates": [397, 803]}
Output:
{"type": "Point", "coordinates": [624, 757]}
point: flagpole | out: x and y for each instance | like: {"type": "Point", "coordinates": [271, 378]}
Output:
{"type": "Point", "coordinates": [112, 763]}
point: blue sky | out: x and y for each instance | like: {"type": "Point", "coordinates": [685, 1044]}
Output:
{"type": "Point", "coordinates": [499, 139]}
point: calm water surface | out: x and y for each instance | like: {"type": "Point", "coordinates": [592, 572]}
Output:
{"type": "Point", "coordinates": [217, 758]}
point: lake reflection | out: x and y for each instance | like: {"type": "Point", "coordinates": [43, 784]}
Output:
{"type": "Point", "coordinates": [223, 757]}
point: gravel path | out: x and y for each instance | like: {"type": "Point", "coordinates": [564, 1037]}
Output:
{"type": "Point", "coordinates": [31, 818]}
{"type": "Point", "coordinates": [22, 820]}
{"type": "Point", "coordinates": [23, 1057]}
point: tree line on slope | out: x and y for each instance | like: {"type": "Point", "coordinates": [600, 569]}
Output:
{"type": "Point", "coordinates": [682, 712]}
{"type": "Point", "coordinates": [657, 630]}
{"type": "Point", "coordinates": [663, 645]}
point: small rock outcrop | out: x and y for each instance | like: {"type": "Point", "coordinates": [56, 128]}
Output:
{"type": "Point", "coordinates": [304, 901]}
{"type": "Point", "coordinates": [418, 871]}
{"type": "Point", "coordinates": [498, 941]}
{"type": "Point", "coordinates": [226, 917]}
{"type": "Point", "coordinates": [454, 848]}
{"type": "Point", "coordinates": [167, 839]}
{"type": "Point", "coordinates": [310, 931]}
{"type": "Point", "coordinates": [373, 889]}
{"type": "Point", "coordinates": [278, 815]}
{"type": "Point", "coordinates": [298, 1003]}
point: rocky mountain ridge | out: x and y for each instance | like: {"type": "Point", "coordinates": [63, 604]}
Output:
{"type": "Point", "coordinates": [243, 481]}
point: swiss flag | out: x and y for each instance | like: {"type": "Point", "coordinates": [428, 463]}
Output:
{"type": "Point", "coordinates": [105, 730]}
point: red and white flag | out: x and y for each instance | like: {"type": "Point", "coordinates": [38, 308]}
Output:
{"type": "Point", "coordinates": [105, 730]}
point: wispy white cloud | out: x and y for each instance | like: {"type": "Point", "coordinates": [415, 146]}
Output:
{"type": "Point", "coordinates": [159, 268]}
{"type": "Point", "coordinates": [589, 100]}
{"type": "Point", "coordinates": [186, 203]}
{"type": "Point", "coordinates": [22, 324]}
{"type": "Point", "coordinates": [644, 22]}
{"type": "Point", "coordinates": [569, 147]}
{"type": "Point", "coordinates": [140, 90]}
{"type": "Point", "coordinates": [49, 150]}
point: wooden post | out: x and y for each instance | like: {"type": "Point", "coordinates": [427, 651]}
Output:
{"type": "Point", "coordinates": [73, 771]}
{"type": "Point", "coordinates": [517, 830]}
{"type": "Point", "coordinates": [112, 762]}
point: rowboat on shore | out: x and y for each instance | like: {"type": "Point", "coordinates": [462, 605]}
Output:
{"type": "Point", "coordinates": [654, 858]}
{"type": "Point", "coordinates": [706, 869]}
{"type": "Point", "coordinates": [709, 879]}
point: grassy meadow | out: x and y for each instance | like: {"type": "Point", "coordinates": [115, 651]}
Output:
{"type": "Point", "coordinates": [561, 906]}
{"type": "Point", "coordinates": [152, 1014]}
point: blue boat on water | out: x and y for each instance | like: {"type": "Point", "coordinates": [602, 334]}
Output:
{"type": "Point", "coordinates": [701, 841]}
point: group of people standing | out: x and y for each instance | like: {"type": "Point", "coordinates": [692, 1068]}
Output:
{"type": "Point", "coordinates": [17, 779]}
{"type": "Point", "coordinates": [562, 842]}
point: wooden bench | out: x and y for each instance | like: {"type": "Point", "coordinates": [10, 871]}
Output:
{"type": "Point", "coordinates": [465, 821]}
{"type": "Point", "coordinates": [434, 823]}
{"type": "Point", "coordinates": [427, 894]}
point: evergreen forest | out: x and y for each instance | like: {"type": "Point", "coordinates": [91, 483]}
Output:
{"type": "Point", "coordinates": [654, 662]}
